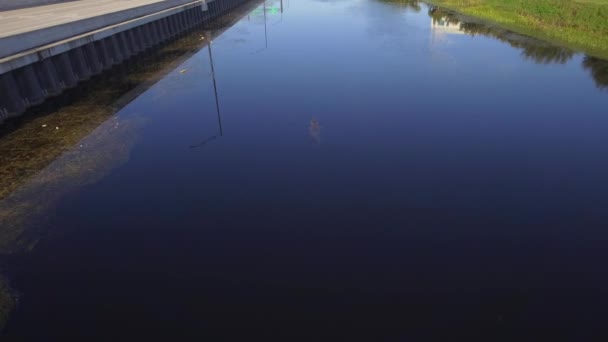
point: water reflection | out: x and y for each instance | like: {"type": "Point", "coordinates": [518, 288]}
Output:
{"type": "Point", "coordinates": [77, 140]}
{"type": "Point", "coordinates": [533, 49]}
{"type": "Point", "coordinates": [414, 5]}
{"type": "Point", "coordinates": [48, 150]}
{"type": "Point", "coordinates": [403, 137]}
{"type": "Point", "coordinates": [598, 69]}
{"type": "Point", "coordinates": [538, 51]}
{"type": "Point", "coordinates": [268, 9]}
{"type": "Point", "coordinates": [42, 152]}
{"type": "Point", "coordinates": [445, 25]}
{"type": "Point", "coordinates": [217, 102]}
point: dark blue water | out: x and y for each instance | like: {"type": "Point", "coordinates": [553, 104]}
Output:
{"type": "Point", "coordinates": [364, 173]}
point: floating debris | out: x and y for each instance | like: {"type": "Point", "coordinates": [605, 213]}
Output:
{"type": "Point", "coordinates": [183, 71]}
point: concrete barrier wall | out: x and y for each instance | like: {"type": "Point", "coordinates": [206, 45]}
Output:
{"type": "Point", "coordinates": [7, 5]}
{"type": "Point", "coordinates": [31, 39]}
{"type": "Point", "coordinates": [32, 84]}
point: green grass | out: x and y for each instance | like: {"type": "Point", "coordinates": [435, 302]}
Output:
{"type": "Point", "coordinates": [578, 24]}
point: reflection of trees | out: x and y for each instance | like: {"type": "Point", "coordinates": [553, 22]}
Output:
{"type": "Point", "coordinates": [598, 69]}
{"type": "Point", "coordinates": [438, 14]}
{"type": "Point", "coordinates": [532, 49]}
{"type": "Point", "coordinates": [408, 4]}
{"type": "Point", "coordinates": [547, 54]}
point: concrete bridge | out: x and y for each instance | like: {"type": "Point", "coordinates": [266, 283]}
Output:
{"type": "Point", "coordinates": [45, 50]}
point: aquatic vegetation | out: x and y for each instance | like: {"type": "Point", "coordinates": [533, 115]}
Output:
{"type": "Point", "coordinates": [108, 146]}
{"type": "Point", "coordinates": [46, 151]}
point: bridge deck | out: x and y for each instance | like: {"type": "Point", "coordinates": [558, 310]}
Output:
{"type": "Point", "coordinates": [28, 28]}
{"type": "Point", "coordinates": [35, 18]}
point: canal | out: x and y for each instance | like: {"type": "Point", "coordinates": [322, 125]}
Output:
{"type": "Point", "coordinates": [322, 170]}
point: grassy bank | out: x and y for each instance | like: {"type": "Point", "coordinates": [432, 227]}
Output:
{"type": "Point", "coordinates": [579, 24]}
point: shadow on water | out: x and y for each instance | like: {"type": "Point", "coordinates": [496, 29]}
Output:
{"type": "Point", "coordinates": [532, 49]}
{"type": "Point", "coordinates": [77, 139]}
{"type": "Point", "coordinates": [598, 69]}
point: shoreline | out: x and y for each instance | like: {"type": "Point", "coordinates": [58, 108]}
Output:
{"type": "Point", "coordinates": [568, 33]}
